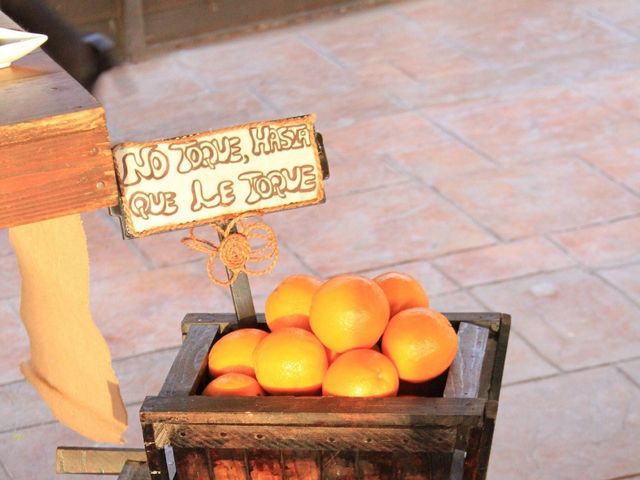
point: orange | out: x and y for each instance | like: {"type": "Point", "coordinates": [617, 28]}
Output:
{"type": "Point", "coordinates": [229, 384]}
{"type": "Point", "coordinates": [421, 343]}
{"type": "Point", "coordinates": [289, 304]}
{"type": "Point", "coordinates": [348, 312]}
{"type": "Point", "coordinates": [361, 373]}
{"type": "Point", "coordinates": [295, 320]}
{"type": "Point", "coordinates": [402, 290]}
{"type": "Point", "coordinates": [233, 353]}
{"type": "Point", "coordinates": [290, 361]}
{"type": "Point", "coordinates": [331, 355]}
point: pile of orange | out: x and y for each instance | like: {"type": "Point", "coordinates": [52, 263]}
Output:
{"type": "Point", "coordinates": [349, 336]}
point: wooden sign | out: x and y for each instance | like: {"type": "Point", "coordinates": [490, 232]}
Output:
{"type": "Point", "coordinates": [213, 176]}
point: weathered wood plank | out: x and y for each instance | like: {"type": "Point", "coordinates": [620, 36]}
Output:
{"type": "Point", "coordinates": [463, 380]}
{"type": "Point", "coordinates": [477, 460]}
{"type": "Point", "coordinates": [412, 466]}
{"type": "Point", "coordinates": [301, 464]}
{"type": "Point", "coordinates": [156, 458]}
{"type": "Point", "coordinates": [329, 411]}
{"type": "Point", "coordinates": [339, 465]}
{"type": "Point", "coordinates": [221, 319]}
{"type": "Point", "coordinates": [96, 460]}
{"type": "Point", "coordinates": [265, 464]}
{"type": "Point", "coordinates": [483, 319]}
{"type": "Point", "coordinates": [190, 365]}
{"type": "Point", "coordinates": [229, 464]}
{"type": "Point", "coordinates": [277, 437]}
{"type": "Point", "coordinates": [192, 464]}
{"type": "Point", "coordinates": [55, 155]}
{"type": "Point", "coordinates": [376, 465]}
{"type": "Point", "coordinates": [134, 471]}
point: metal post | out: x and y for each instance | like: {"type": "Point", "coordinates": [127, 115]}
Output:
{"type": "Point", "coordinates": [241, 295]}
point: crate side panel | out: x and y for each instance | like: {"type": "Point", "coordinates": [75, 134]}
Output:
{"type": "Point", "coordinates": [440, 465]}
{"type": "Point", "coordinates": [434, 439]}
{"type": "Point", "coordinates": [228, 464]}
{"type": "Point", "coordinates": [412, 466]}
{"type": "Point", "coordinates": [376, 465]}
{"type": "Point", "coordinates": [464, 378]}
{"type": "Point", "coordinates": [192, 464]}
{"type": "Point", "coordinates": [265, 464]}
{"type": "Point", "coordinates": [320, 411]}
{"type": "Point", "coordinates": [301, 464]}
{"type": "Point", "coordinates": [190, 365]}
{"type": "Point", "coordinates": [338, 465]}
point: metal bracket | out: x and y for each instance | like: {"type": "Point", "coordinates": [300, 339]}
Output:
{"type": "Point", "coordinates": [324, 163]}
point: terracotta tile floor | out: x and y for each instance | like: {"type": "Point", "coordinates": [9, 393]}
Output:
{"type": "Point", "coordinates": [492, 151]}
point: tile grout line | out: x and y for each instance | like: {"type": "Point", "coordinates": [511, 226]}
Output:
{"type": "Point", "coordinates": [298, 257]}
{"type": "Point", "coordinates": [55, 421]}
{"type": "Point", "coordinates": [488, 231]}
{"type": "Point", "coordinates": [450, 133]}
{"type": "Point", "coordinates": [442, 40]}
{"type": "Point", "coordinates": [577, 88]}
{"type": "Point", "coordinates": [372, 189]}
{"type": "Point", "coordinates": [113, 360]}
{"type": "Point", "coordinates": [606, 23]}
{"type": "Point", "coordinates": [604, 174]}
{"type": "Point", "coordinates": [606, 281]}
{"type": "Point", "coordinates": [523, 276]}
{"type": "Point", "coordinates": [321, 51]}
{"type": "Point", "coordinates": [596, 223]}
{"type": "Point", "coordinates": [264, 101]}
{"type": "Point", "coordinates": [631, 476]}
{"type": "Point", "coordinates": [595, 273]}
{"type": "Point", "coordinates": [522, 337]}
{"type": "Point", "coordinates": [613, 364]}
{"type": "Point", "coordinates": [447, 276]}
{"type": "Point", "coordinates": [606, 268]}
{"type": "Point", "coordinates": [4, 469]}
{"type": "Point", "coordinates": [142, 354]}
{"type": "Point", "coordinates": [129, 244]}
{"type": "Point", "coordinates": [626, 375]}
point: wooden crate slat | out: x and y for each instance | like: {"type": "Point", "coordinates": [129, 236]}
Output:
{"type": "Point", "coordinates": [96, 460]}
{"type": "Point", "coordinates": [134, 471]}
{"type": "Point", "coordinates": [464, 377]}
{"type": "Point", "coordinates": [192, 463]}
{"type": "Point", "coordinates": [412, 466]}
{"type": "Point", "coordinates": [338, 465]}
{"type": "Point", "coordinates": [221, 319]}
{"type": "Point", "coordinates": [265, 464]}
{"type": "Point", "coordinates": [484, 319]}
{"type": "Point", "coordinates": [329, 411]}
{"type": "Point", "coordinates": [156, 458]}
{"type": "Point", "coordinates": [436, 439]}
{"type": "Point", "coordinates": [190, 365]}
{"type": "Point", "coordinates": [301, 464]}
{"type": "Point", "coordinates": [229, 464]}
{"type": "Point", "coordinates": [376, 466]}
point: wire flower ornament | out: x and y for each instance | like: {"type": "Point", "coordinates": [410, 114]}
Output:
{"type": "Point", "coordinates": [236, 249]}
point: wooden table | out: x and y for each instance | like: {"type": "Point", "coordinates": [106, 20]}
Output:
{"type": "Point", "coordinates": [55, 155]}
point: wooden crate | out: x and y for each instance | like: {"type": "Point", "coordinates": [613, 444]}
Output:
{"type": "Point", "coordinates": [440, 437]}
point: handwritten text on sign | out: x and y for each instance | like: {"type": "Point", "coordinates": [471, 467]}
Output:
{"type": "Point", "coordinates": [210, 176]}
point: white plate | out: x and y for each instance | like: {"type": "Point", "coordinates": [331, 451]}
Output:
{"type": "Point", "coordinates": [15, 44]}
